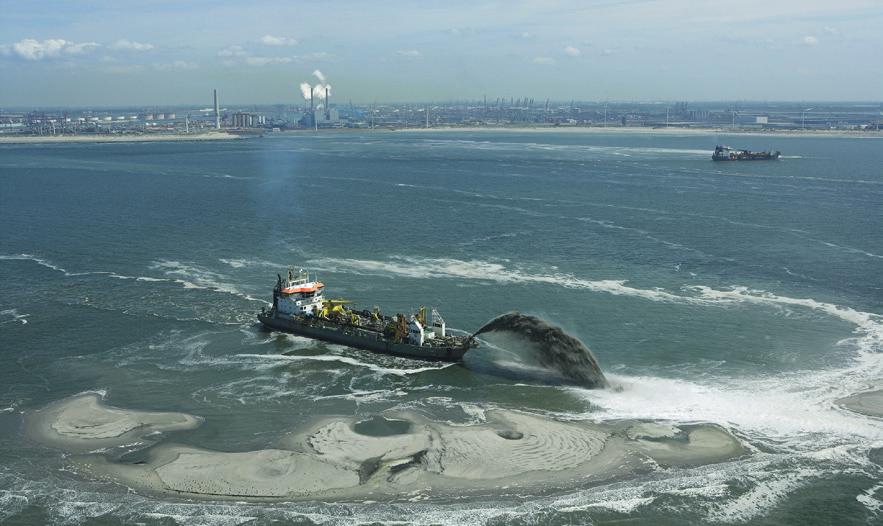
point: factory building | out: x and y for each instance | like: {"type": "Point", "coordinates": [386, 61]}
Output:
{"type": "Point", "coordinates": [243, 119]}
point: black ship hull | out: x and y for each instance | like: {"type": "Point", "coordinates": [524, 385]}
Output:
{"type": "Point", "coordinates": [725, 153]}
{"type": "Point", "coordinates": [769, 157]}
{"type": "Point", "coordinates": [361, 338]}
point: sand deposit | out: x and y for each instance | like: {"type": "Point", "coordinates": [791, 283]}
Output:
{"type": "Point", "coordinates": [407, 453]}
{"type": "Point", "coordinates": [869, 403]}
{"type": "Point", "coordinates": [84, 423]}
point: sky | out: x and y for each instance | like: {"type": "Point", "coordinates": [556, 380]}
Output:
{"type": "Point", "coordinates": [169, 52]}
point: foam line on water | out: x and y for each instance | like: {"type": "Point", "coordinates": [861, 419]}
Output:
{"type": "Point", "coordinates": [345, 360]}
{"type": "Point", "coordinates": [449, 268]}
{"type": "Point", "coordinates": [38, 260]}
{"type": "Point", "coordinates": [14, 316]}
{"type": "Point", "coordinates": [238, 263]}
{"type": "Point", "coordinates": [498, 272]}
{"type": "Point", "coordinates": [198, 277]}
{"type": "Point", "coordinates": [193, 276]}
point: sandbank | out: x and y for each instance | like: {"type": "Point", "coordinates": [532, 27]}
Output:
{"type": "Point", "coordinates": [406, 454]}
{"type": "Point", "coordinates": [869, 403]}
{"type": "Point", "coordinates": [84, 423]}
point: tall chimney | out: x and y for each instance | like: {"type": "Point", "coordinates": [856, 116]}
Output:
{"type": "Point", "coordinates": [217, 112]}
{"type": "Point", "coordinates": [327, 105]}
{"type": "Point", "coordinates": [313, 111]}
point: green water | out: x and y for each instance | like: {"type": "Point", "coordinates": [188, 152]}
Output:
{"type": "Point", "coordinates": [743, 294]}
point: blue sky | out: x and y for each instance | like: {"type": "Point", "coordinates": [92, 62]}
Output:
{"type": "Point", "coordinates": [100, 52]}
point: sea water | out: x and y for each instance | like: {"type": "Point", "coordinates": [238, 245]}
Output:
{"type": "Point", "coordinates": [748, 295]}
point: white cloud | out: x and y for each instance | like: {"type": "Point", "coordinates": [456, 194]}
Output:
{"type": "Point", "coordinates": [232, 51]}
{"type": "Point", "coordinates": [572, 51]}
{"type": "Point", "coordinates": [263, 61]}
{"type": "Point", "coordinates": [130, 45]}
{"type": "Point", "coordinates": [544, 60]}
{"type": "Point", "coordinates": [810, 40]}
{"type": "Point", "coordinates": [79, 49]}
{"type": "Point", "coordinates": [526, 35]}
{"type": "Point", "coordinates": [32, 49]}
{"type": "Point", "coordinates": [831, 30]}
{"type": "Point", "coordinates": [410, 53]}
{"type": "Point", "coordinates": [178, 65]}
{"type": "Point", "coordinates": [271, 40]}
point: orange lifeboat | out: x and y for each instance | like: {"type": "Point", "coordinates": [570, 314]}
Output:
{"type": "Point", "coordinates": [303, 288]}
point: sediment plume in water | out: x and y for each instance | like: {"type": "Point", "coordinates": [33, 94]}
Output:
{"type": "Point", "coordinates": [554, 349]}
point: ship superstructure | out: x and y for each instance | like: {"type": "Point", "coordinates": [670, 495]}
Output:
{"type": "Point", "coordinates": [725, 153]}
{"type": "Point", "coordinates": [300, 307]}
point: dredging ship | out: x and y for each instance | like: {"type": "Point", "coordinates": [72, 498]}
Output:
{"type": "Point", "coordinates": [300, 307]}
{"type": "Point", "coordinates": [725, 153]}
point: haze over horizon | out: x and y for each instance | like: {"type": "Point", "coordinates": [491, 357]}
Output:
{"type": "Point", "coordinates": [104, 53]}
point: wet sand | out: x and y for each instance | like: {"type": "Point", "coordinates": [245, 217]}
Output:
{"type": "Point", "coordinates": [407, 454]}
{"type": "Point", "coordinates": [84, 423]}
{"type": "Point", "coordinates": [869, 403]}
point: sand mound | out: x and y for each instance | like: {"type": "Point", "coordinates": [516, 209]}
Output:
{"type": "Point", "coordinates": [869, 403]}
{"type": "Point", "coordinates": [83, 423]}
{"type": "Point", "coordinates": [384, 455]}
{"type": "Point", "coordinates": [344, 458]}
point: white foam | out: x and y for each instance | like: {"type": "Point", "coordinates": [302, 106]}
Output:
{"type": "Point", "coordinates": [193, 276]}
{"type": "Point", "coordinates": [448, 268]}
{"type": "Point", "coordinates": [619, 506]}
{"type": "Point", "coordinates": [238, 263]}
{"type": "Point", "coordinates": [345, 360]}
{"type": "Point", "coordinates": [867, 498]}
{"type": "Point", "coordinates": [40, 261]}
{"type": "Point", "coordinates": [786, 409]}
{"type": "Point", "coordinates": [14, 316]}
{"type": "Point", "coordinates": [768, 490]}
{"type": "Point", "coordinates": [11, 504]}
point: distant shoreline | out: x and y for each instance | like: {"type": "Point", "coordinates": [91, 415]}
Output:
{"type": "Point", "coordinates": [216, 136]}
{"type": "Point", "coordinates": [47, 139]}
{"type": "Point", "coordinates": [656, 131]}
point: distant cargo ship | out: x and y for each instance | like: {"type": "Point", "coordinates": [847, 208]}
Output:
{"type": "Point", "coordinates": [300, 307]}
{"type": "Point", "coordinates": [725, 153]}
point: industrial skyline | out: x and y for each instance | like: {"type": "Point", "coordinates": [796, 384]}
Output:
{"type": "Point", "coordinates": [107, 53]}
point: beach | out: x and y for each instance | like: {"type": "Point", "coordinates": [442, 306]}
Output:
{"type": "Point", "coordinates": [92, 138]}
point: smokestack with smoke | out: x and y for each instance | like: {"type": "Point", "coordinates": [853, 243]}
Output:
{"type": "Point", "coordinates": [305, 90]}
{"type": "Point", "coordinates": [310, 92]}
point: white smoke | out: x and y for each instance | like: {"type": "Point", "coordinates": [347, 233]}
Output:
{"type": "Point", "coordinates": [305, 90]}
{"type": "Point", "coordinates": [318, 90]}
